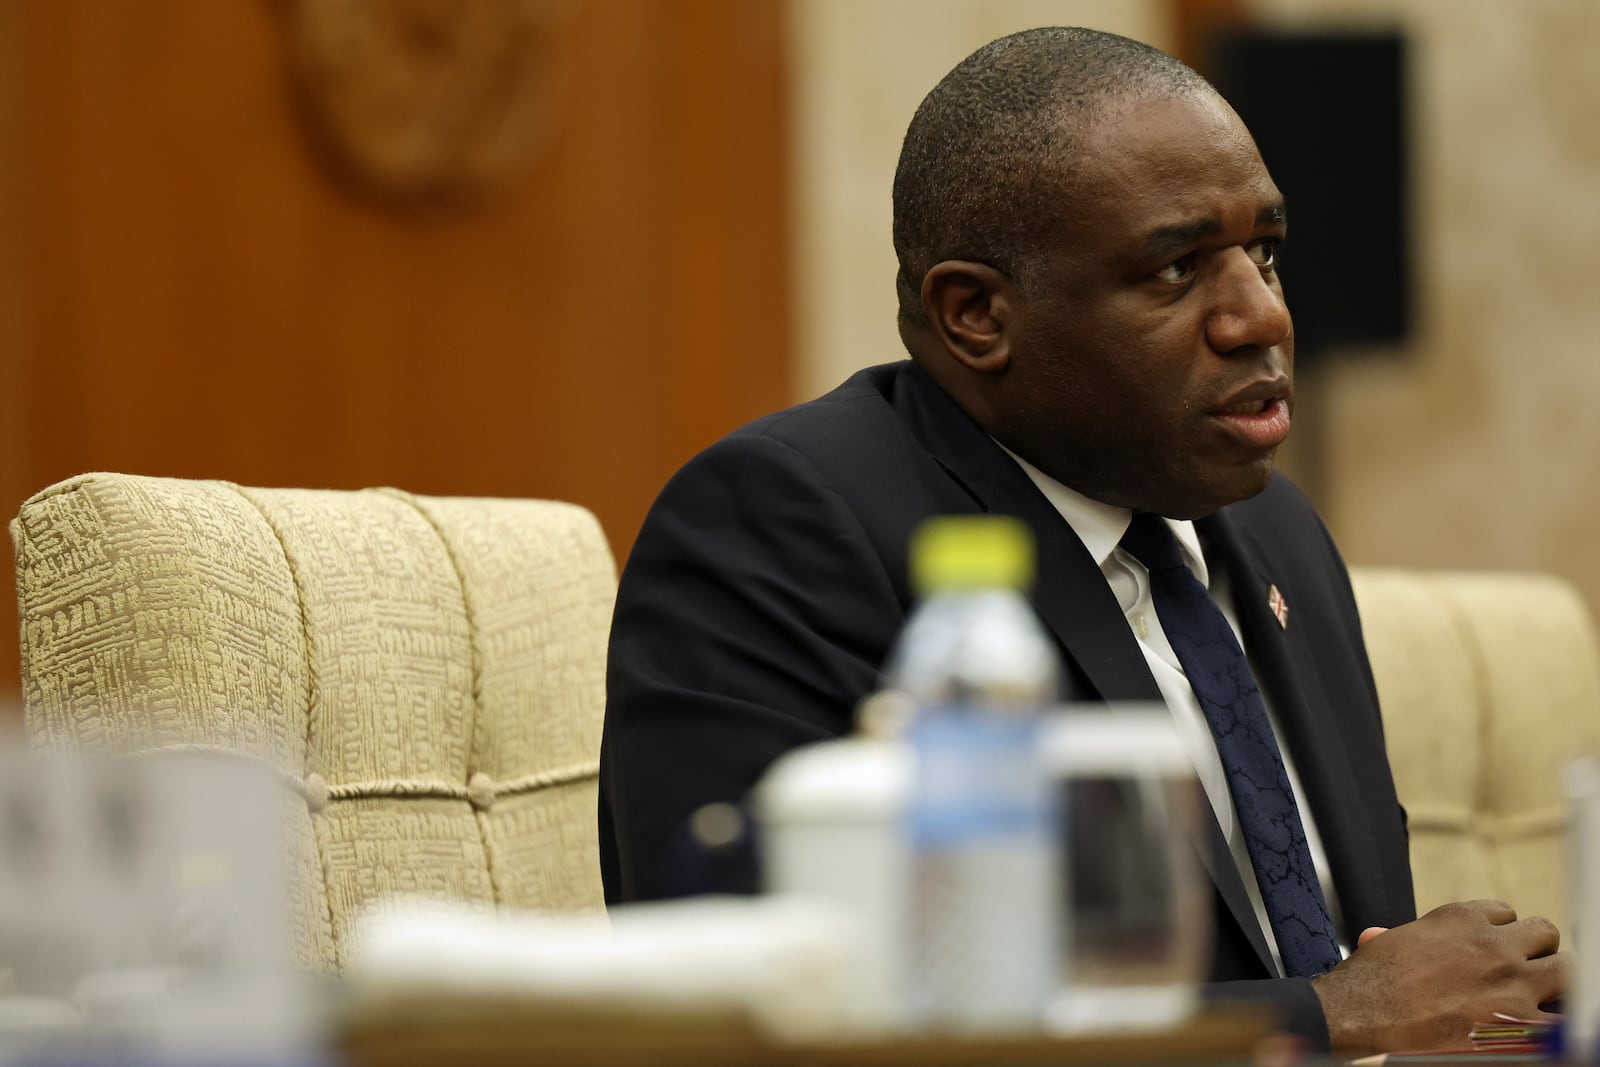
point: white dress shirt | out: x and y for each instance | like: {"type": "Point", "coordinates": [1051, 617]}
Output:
{"type": "Point", "coordinates": [1100, 527]}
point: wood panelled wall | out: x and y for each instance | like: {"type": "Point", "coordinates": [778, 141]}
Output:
{"type": "Point", "coordinates": [192, 290]}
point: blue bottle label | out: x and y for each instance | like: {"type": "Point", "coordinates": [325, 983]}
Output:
{"type": "Point", "coordinates": [978, 777]}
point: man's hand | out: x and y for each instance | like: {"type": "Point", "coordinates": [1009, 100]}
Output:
{"type": "Point", "coordinates": [1369, 933]}
{"type": "Point", "coordinates": [1424, 984]}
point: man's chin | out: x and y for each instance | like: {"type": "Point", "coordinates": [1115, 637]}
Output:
{"type": "Point", "coordinates": [1211, 495]}
{"type": "Point", "coordinates": [1249, 481]}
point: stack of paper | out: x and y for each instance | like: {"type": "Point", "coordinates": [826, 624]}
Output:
{"type": "Point", "coordinates": [1507, 1036]}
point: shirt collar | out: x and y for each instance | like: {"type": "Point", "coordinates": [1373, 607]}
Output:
{"type": "Point", "coordinates": [1100, 526]}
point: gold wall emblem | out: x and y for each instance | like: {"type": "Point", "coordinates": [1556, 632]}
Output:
{"type": "Point", "coordinates": [429, 101]}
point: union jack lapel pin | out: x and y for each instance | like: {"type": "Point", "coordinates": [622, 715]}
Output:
{"type": "Point", "coordinates": [1278, 606]}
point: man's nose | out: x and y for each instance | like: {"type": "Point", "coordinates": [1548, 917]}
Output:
{"type": "Point", "coordinates": [1250, 311]}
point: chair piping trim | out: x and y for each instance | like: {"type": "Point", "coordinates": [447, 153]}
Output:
{"type": "Point", "coordinates": [1453, 819]}
{"type": "Point", "coordinates": [1524, 824]}
{"type": "Point", "coordinates": [390, 787]}
{"type": "Point", "coordinates": [403, 787]}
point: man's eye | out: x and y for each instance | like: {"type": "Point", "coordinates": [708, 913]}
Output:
{"type": "Point", "coordinates": [1178, 270]}
{"type": "Point", "coordinates": [1265, 253]}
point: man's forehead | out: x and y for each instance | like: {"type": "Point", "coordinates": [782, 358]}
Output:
{"type": "Point", "coordinates": [1171, 162]}
{"type": "Point", "coordinates": [1158, 126]}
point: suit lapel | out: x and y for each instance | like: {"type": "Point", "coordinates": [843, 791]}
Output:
{"type": "Point", "coordinates": [1070, 593]}
{"type": "Point", "coordinates": [1287, 670]}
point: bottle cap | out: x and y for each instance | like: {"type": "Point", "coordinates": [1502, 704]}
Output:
{"type": "Point", "coordinates": [971, 552]}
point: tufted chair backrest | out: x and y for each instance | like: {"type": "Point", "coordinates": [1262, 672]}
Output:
{"type": "Point", "coordinates": [427, 674]}
{"type": "Point", "coordinates": [1490, 684]}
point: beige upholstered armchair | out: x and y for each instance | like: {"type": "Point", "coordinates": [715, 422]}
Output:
{"type": "Point", "coordinates": [1490, 684]}
{"type": "Point", "coordinates": [426, 673]}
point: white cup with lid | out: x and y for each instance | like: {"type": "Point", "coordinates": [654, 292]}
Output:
{"type": "Point", "coordinates": [832, 826]}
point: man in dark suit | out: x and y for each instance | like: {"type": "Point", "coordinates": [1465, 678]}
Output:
{"type": "Point", "coordinates": [1088, 290]}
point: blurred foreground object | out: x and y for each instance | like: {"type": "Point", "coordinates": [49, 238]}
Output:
{"type": "Point", "coordinates": [1583, 856]}
{"type": "Point", "coordinates": [423, 676]}
{"type": "Point", "coordinates": [1015, 866]}
{"type": "Point", "coordinates": [832, 818]}
{"type": "Point", "coordinates": [782, 969]}
{"type": "Point", "coordinates": [983, 823]}
{"type": "Point", "coordinates": [1490, 685]}
{"type": "Point", "coordinates": [1136, 900]}
{"type": "Point", "coordinates": [1132, 901]}
{"type": "Point", "coordinates": [142, 912]}
{"type": "Point", "coordinates": [712, 982]}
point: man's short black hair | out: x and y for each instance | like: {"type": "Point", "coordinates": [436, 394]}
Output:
{"type": "Point", "coordinates": [985, 160]}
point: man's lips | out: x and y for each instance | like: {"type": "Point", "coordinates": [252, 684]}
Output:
{"type": "Point", "coordinates": [1258, 415]}
{"type": "Point", "coordinates": [1246, 407]}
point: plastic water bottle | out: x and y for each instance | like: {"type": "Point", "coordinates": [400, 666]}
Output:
{"type": "Point", "coordinates": [982, 819]}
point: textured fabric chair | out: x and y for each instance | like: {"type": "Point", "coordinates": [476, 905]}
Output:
{"type": "Point", "coordinates": [1490, 684]}
{"type": "Point", "coordinates": [426, 673]}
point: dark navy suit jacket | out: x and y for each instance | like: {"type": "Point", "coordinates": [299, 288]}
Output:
{"type": "Point", "coordinates": [769, 582]}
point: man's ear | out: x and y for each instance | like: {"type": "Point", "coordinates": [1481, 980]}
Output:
{"type": "Point", "coordinates": [970, 307]}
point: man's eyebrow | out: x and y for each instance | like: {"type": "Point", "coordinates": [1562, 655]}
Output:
{"type": "Point", "coordinates": [1166, 240]}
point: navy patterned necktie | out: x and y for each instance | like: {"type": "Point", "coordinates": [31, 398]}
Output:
{"type": "Point", "coordinates": [1218, 673]}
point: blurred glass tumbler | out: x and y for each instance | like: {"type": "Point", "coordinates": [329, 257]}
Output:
{"type": "Point", "coordinates": [1137, 929]}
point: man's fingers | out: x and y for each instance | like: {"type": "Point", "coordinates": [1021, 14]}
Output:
{"type": "Point", "coordinates": [1497, 912]}
{"type": "Point", "coordinates": [1536, 936]}
{"type": "Point", "coordinates": [1369, 933]}
{"type": "Point", "coordinates": [1548, 976]}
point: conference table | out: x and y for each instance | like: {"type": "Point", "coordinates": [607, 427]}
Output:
{"type": "Point", "coordinates": [487, 1034]}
